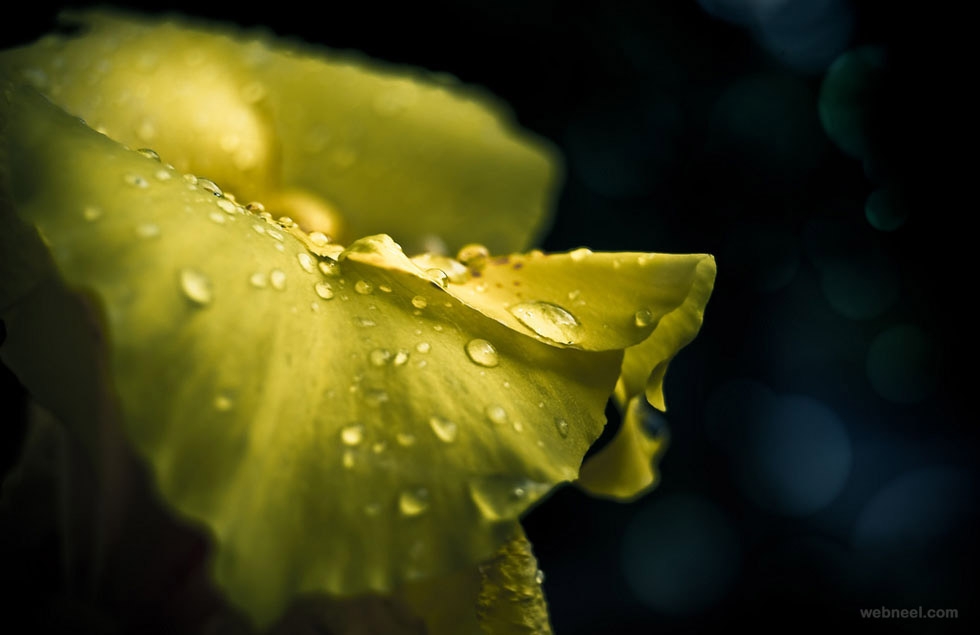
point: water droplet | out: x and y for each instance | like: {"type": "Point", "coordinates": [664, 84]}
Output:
{"type": "Point", "coordinates": [539, 576]}
{"type": "Point", "coordinates": [306, 262]}
{"type": "Point", "coordinates": [438, 277]}
{"type": "Point", "coordinates": [149, 153]}
{"type": "Point", "coordinates": [504, 498]}
{"type": "Point", "coordinates": [217, 217]}
{"type": "Point", "coordinates": [423, 347]}
{"type": "Point", "coordinates": [319, 239]}
{"type": "Point", "coordinates": [444, 429]}
{"type": "Point", "coordinates": [363, 287]}
{"type": "Point", "coordinates": [497, 414]}
{"type": "Point", "coordinates": [329, 268]}
{"type": "Point", "coordinates": [482, 353]}
{"type": "Point", "coordinates": [413, 502]}
{"type": "Point", "coordinates": [550, 321]}
{"type": "Point", "coordinates": [255, 207]}
{"type": "Point", "coordinates": [384, 288]}
{"type": "Point", "coordinates": [315, 306]}
{"type": "Point", "coordinates": [352, 435]}
{"type": "Point", "coordinates": [363, 322]}
{"type": "Point", "coordinates": [148, 230]}
{"type": "Point", "coordinates": [401, 358]}
{"type": "Point", "coordinates": [578, 255]}
{"type": "Point", "coordinates": [227, 206]}
{"type": "Point", "coordinates": [348, 459]}
{"type": "Point", "coordinates": [277, 278]}
{"type": "Point", "coordinates": [274, 234]}
{"type": "Point", "coordinates": [258, 280]}
{"type": "Point", "coordinates": [561, 425]}
{"type": "Point", "coordinates": [163, 174]}
{"type": "Point", "coordinates": [92, 213]}
{"type": "Point", "coordinates": [136, 180]}
{"type": "Point", "coordinates": [259, 228]}
{"type": "Point", "coordinates": [223, 403]}
{"type": "Point", "coordinates": [323, 290]}
{"type": "Point", "coordinates": [473, 256]}
{"type": "Point", "coordinates": [643, 318]}
{"type": "Point", "coordinates": [196, 286]}
{"type": "Point", "coordinates": [405, 439]}
{"type": "Point", "coordinates": [380, 356]}
{"type": "Point", "coordinates": [190, 179]}
{"type": "Point", "coordinates": [209, 186]}
{"type": "Point", "coordinates": [518, 427]}
{"type": "Point", "coordinates": [419, 302]}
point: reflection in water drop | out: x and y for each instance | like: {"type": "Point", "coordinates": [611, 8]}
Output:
{"type": "Point", "coordinates": [549, 321]}
{"type": "Point", "coordinates": [505, 498]}
{"type": "Point", "coordinates": [482, 353]}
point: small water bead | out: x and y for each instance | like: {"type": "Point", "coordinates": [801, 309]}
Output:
{"type": "Point", "coordinates": [444, 429]}
{"type": "Point", "coordinates": [280, 248]}
{"type": "Point", "coordinates": [329, 268]}
{"type": "Point", "coordinates": [286, 222]}
{"type": "Point", "coordinates": [401, 358]}
{"type": "Point", "coordinates": [274, 234]}
{"type": "Point", "coordinates": [578, 255]}
{"type": "Point", "coordinates": [306, 262]}
{"type": "Point", "coordinates": [548, 320]}
{"type": "Point", "coordinates": [149, 153]}
{"type": "Point", "coordinates": [539, 576]}
{"type": "Point", "coordinates": [209, 186]}
{"type": "Point", "coordinates": [405, 439]}
{"type": "Point", "coordinates": [148, 230]}
{"type": "Point", "coordinates": [136, 180]}
{"type": "Point", "coordinates": [518, 427]}
{"type": "Point", "coordinates": [348, 459]}
{"type": "Point", "coordinates": [255, 207]}
{"type": "Point", "coordinates": [324, 290]}
{"type": "Point", "coordinates": [196, 286]}
{"type": "Point", "coordinates": [163, 174]}
{"type": "Point", "coordinates": [438, 277]}
{"type": "Point", "coordinates": [643, 318]}
{"type": "Point", "coordinates": [223, 403]}
{"type": "Point", "coordinates": [217, 217]}
{"type": "Point", "coordinates": [482, 353]}
{"type": "Point", "coordinates": [384, 288]}
{"type": "Point", "coordinates": [473, 256]}
{"type": "Point", "coordinates": [423, 347]}
{"type": "Point", "coordinates": [258, 280]}
{"type": "Point", "coordinates": [363, 322]}
{"type": "Point", "coordinates": [419, 302]}
{"type": "Point", "coordinates": [277, 277]}
{"type": "Point", "coordinates": [258, 228]}
{"type": "Point", "coordinates": [191, 180]}
{"type": "Point", "coordinates": [92, 213]}
{"type": "Point", "coordinates": [500, 498]}
{"type": "Point", "coordinates": [496, 414]}
{"type": "Point", "coordinates": [315, 306]}
{"type": "Point", "coordinates": [352, 435]}
{"type": "Point", "coordinates": [227, 206]}
{"type": "Point", "coordinates": [413, 502]}
{"type": "Point", "coordinates": [561, 425]}
{"type": "Point", "coordinates": [380, 356]}
{"type": "Point", "coordinates": [319, 239]}
{"type": "Point", "coordinates": [363, 287]}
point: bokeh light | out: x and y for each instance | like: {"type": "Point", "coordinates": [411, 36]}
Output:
{"type": "Point", "coordinates": [680, 554]}
{"type": "Point", "coordinates": [885, 211]}
{"type": "Point", "coordinates": [902, 364]}
{"type": "Point", "coordinates": [847, 99]}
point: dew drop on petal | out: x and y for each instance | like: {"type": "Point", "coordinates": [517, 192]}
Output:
{"type": "Point", "coordinates": [562, 426]}
{"type": "Point", "coordinates": [413, 502]}
{"type": "Point", "coordinates": [363, 322]}
{"type": "Point", "coordinates": [497, 414]}
{"type": "Point", "coordinates": [643, 318]}
{"type": "Point", "coordinates": [277, 278]}
{"type": "Point", "coordinates": [136, 180]}
{"type": "Point", "coordinates": [324, 290]}
{"type": "Point", "coordinates": [499, 498]}
{"type": "Point", "coordinates": [196, 286]}
{"type": "Point", "coordinates": [419, 302]}
{"type": "Point", "coordinates": [306, 262]}
{"type": "Point", "coordinates": [209, 186]}
{"type": "Point", "coordinates": [217, 217]}
{"type": "Point", "coordinates": [363, 287]}
{"type": "Point", "coordinates": [227, 206]}
{"type": "Point", "coordinates": [444, 429]}
{"type": "Point", "coordinates": [423, 347]}
{"type": "Point", "coordinates": [400, 358]}
{"type": "Point", "coordinates": [578, 255]}
{"type": "Point", "coordinates": [319, 239]}
{"type": "Point", "coordinates": [328, 268]}
{"type": "Point", "coordinates": [548, 320]}
{"type": "Point", "coordinates": [380, 356]}
{"type": "Point", "coordinates": [438, 277]}
{"type": "Point", "coordinates": [473, 255]}
{"type": "Point", "coordinates": [259, 228]}
{"type": "Point", "coordinates": [258, 280]}
{"type": "Point", "coordinates": [482, 353]}
{"type": "Point", "coordinates": [352, 435]}
{"type": "Point", "coordinates": [275, 234]}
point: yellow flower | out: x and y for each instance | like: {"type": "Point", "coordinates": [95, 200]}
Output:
{"type": "Point", "coordinates": [341, 420]}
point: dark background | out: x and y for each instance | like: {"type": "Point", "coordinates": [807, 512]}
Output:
{"type": "Point", "coordinates": [822, 456]}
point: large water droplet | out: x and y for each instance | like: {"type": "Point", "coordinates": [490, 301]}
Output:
{"type": "Point", "coordinates": [352, 434]}
{"type": "Point", "coordinates": [482, 353]}
{"type": "Point", "coordinates": [444, 429]}
{"type": "Point", "coordinates": [413, 502]}
{"type": "Point", "coordinates": [323, 290]}
{"type": "Point", "coordinates": [473, 256]}
{"type": "Point", "coordinates": [196, 286]}
{"type": "Point", "coordinates": [504, 498]}
{"type": "Point", "coordinates": [438, 277]}
{"type": "Point", "coordinates": [643, 318]}
{"type": "Point", "coordinates": [548, 320]}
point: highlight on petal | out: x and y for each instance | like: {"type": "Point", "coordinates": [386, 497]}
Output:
{"type": "Point", "coordinates": [314, 134]}
{"type": "Point", "coordinates": [339, 425]}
